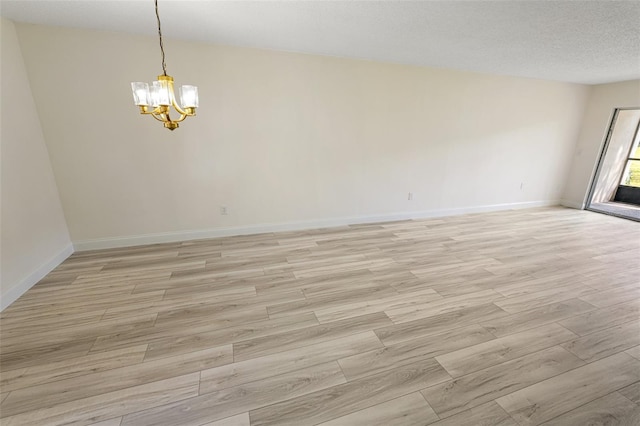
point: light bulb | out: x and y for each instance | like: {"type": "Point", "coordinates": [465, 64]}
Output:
{"type": "Point", "coordinates": [140, 93]}
{"type": "Point", "coordinates": [189, 96]}
{"type": "Point", "coordinates": [160, 89]}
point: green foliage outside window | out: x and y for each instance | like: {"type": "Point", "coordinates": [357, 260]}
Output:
{"type": "Point", "coordinates": [632, 175]}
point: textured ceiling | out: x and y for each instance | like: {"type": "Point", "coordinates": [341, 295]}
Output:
{"type": "Point", "coordinates": [577, 41]}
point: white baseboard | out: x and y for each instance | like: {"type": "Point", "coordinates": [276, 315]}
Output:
{"type": "Point", "coordinates": [572, 204]}
{"type": "Point", "coordinates": [19, 289]}
{"type": "Point", "coordinates": [167, 237]}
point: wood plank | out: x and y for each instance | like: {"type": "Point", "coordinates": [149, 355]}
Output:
{"type": "Point", "coordinates": [227, 402]}
{"type": "Point", "coordinates": [73, 307]}
{"type": "Point", "coordinates": [111, 422]}
{"type": "Point", "coordinates": [176, 288]}
{"type": "Point", "coordinates": [407, 410]}
{"type": "Point", "coordinates": [313, 304]}
{"type": "Point", "coordinates": [173, 286]}
{"type": "Point", "coordinates": [173, 310]}
{"type": "Point", "coordinates": [324, 405]}
{"type": "Point", "coordinates": [438, 323]}
{"type": "Point", "coordinates": [600, 319]}
{"type": "Point", "coordinates": [534, 300]}
{"type": "Point", "coordinates": [179, 341]}
{"type": "Point", "coordinates": [606, 342]}
{"type": "Point", "coordinates": [537, 284]}
{"type": "Point", "coordinates": [378, 360]}
{"type": "Point", "coordinates": [322, 285]}
{"type": "Point", "coordinates": [380, 304]}
{"type": "Point", "coordinates": [91, 280]}
{"type": "Point", "coordinates": [613, 297]}
{"type": "Point", "coordinates": [477, 388]}
{"type": "Point", "coordinates": [18, 341]}
{"type": "Point", "coordinates": [488, 414]}
{"type": "Point", "coordinates": [34, 356]}
{"type": "Point", "coordinates": [70, 368]}
{"type": "Point", "coordinates": [537, 317]}
{"type": "Point", "coordinates": [281, 342]}
{"type": "Point", "coordinates": [282, 362]}
{"type": "Point", "coordinates": [47, 295]}
{"type": "Point", "coordinates": [631, 392]}
{"type": "Point", "coordinates": [174, 330]}
{"type": "Point", "coordinates": [443, 306]}
{"type": "Point", "coordinates": [237, 420]}
{"type": "Point", "coordinates": [486, 354]}
{"type": "Point", "coordinates": [322, 270]}
{"type": "Point", "coordinates": [53, 321]}
{"type": "Point", "coordinates": [341, 284]}
{"type": "Point", "coordinates": [211, 274]}
{"type": "Point", "coordinates": [48, 394]}
{"type": "Point", "coordinates": [555, 396]}
{"type": "Point", "coordinates": [612, 409]}
{"type": "Point", "coordinates": [105, 406]}
{"type": "Point", "coordinates": [172, 263]}
{"type": "Point", "coordinates": [220, 293]}
{"type": "Point", "coordinates": [634, 352]}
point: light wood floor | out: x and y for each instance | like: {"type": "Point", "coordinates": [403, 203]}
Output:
{"type": "Point", "coordinates": [519, 317]}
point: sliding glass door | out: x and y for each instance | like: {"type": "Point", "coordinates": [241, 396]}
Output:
{"type": "Point", "coordinates": [629, 187]}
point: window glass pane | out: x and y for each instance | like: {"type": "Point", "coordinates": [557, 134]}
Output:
{"type": "Point", "coordinates": [631, 175]}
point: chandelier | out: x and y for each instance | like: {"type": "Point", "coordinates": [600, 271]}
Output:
{"type": "Point", "coordinates": [158, 97]}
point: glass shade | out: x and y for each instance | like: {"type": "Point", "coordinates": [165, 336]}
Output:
{"type": "Point", "coordinates": [140, 93]}
{"type": "Point", "coordinates": [153, 96]}
{"type": "Point", "coordinates": [189, 96]}
{"type": "Point", "coordinates": [160, 93]}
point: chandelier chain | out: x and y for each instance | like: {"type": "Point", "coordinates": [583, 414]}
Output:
{"type": "Point", "coordinates": [164, 65]}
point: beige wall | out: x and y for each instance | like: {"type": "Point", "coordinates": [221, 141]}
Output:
{"type": "Point", "coordinates": [34, 236]}
{"type": "Point", "coordinates": [289, 139]}
{"type": "Point", "coordinates": [600, 105]}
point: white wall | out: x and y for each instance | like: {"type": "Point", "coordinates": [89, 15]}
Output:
{"type": "Point", "coordinates": [600, 105]}
{"type": "Point", "coordinates": [34, 236]}
{"type": "Point", "coordinates": [289, 139]}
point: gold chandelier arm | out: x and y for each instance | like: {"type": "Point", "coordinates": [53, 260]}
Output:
{"type": "Point", "coordinates": [160, 110]}
{"type": "Point", "coordinates": [182, 117]}
{"type": "Point", "coordinates": [159, 117]}
{"type": "Point", "coordinates": [177, 108]}
{"type": "Point", "coordinates": [159, 113]}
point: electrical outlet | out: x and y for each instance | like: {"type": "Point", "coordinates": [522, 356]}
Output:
{"type": "Point", "coordinates": [410, 197]}
{"type": "Point", "coordinates": [223, 210]}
